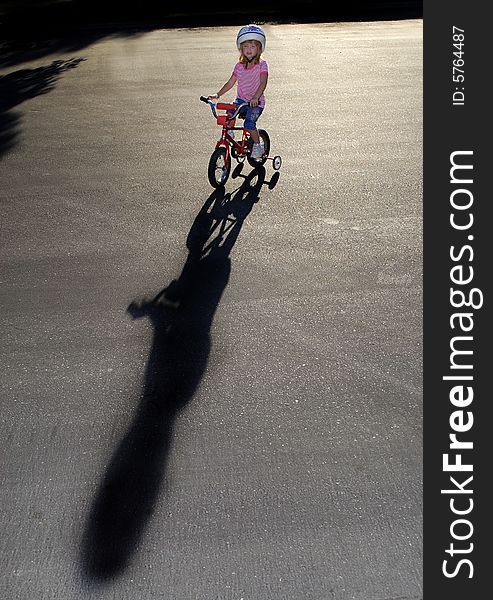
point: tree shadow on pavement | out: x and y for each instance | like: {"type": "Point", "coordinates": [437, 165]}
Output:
{"type": "Point", "coordinates": [22, 85]}
{"type": "Point", "coordinates": [17, 51]}
{"type": "Point", "coordinates": [181, 315]}
{"type": "Point", "coordinates": [32, 29]}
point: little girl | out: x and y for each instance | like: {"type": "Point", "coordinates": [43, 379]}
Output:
{"type": "Point", "coordinates": [251, 73]}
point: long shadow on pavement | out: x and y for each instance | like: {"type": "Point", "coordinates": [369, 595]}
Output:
{"type": "Point", "coordinates": [22, 85]}
{"type": "Point", "coordinates": [181, 315]}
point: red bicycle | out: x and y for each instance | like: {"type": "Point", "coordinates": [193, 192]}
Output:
{"type": "Point", "coordinates": [227, 147]}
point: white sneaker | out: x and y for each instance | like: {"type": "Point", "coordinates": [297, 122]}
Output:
{"type": "Point", "coordinates": [257, 151]}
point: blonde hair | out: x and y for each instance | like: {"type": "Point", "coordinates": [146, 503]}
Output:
{"type": "Point", "coordinates": [256, 60]}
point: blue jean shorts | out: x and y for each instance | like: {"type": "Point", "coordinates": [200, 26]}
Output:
{"type": "Point", "coordinates": [251, 114]}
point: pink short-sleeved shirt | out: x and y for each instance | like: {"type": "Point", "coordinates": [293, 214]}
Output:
{"type": "Point", "coordinates": [249, 80]}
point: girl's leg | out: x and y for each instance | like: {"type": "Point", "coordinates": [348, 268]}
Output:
{"type": "Point", "coordinates": [251, 125]}
{"type": "Point", "coordinates": [252, 115]}
{"type": "Point", "coordinates": [255, 135]}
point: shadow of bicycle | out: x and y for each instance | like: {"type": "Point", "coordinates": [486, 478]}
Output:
{"type": "Point", "coordinates": [181, 315]}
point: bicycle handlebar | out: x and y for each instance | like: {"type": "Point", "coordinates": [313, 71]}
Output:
{"type": "Point", "coordinates": [213, 107]}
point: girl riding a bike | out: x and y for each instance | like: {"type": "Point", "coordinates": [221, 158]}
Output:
{"type": "Point", "coordinates": [251, 74]}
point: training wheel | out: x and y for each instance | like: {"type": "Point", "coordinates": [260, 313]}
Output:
{"type": "Point", "coordinates": [277, 162]}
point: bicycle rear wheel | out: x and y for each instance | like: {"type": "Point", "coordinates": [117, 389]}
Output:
{"type": "Point", "coordinates": [219, 168]}
{"type": "Point", "coordinates": [265, 139]}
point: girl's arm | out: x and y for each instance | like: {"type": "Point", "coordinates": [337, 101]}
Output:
{"type": "Point", "coordinates": [226, 87]}
{"type": "Point", "coordinates": [260, 89]}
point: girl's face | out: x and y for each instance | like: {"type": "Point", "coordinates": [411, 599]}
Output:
{"type": "Point", "coordinates": [250, 49]}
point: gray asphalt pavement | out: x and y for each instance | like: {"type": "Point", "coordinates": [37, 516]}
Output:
{"type": "Point", "coordinates": [254, 432]}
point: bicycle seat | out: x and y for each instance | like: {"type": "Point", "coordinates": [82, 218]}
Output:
{"type": "Point", "coordinates": [242, 113]}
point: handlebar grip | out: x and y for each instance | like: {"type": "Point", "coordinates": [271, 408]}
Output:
{"type": "Point", "coordinates": [204, 99]}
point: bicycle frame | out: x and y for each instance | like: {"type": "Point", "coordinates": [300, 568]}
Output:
{"type": "Point", "coordinates": [229, 143]}
{"type": "Point", "coordinates": [228, 123]}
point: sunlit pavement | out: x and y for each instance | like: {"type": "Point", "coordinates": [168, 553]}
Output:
{"type": "Point", "coordinates": [254, 431]}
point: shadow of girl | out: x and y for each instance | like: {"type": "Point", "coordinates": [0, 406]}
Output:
{"type": "Point", "coordinates": [181, 315]}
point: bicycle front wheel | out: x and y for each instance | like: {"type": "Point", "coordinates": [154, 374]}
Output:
{"type": "Point", "coordinates": [219, 168]}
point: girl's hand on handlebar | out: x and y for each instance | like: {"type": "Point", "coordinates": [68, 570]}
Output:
{"type": "Point", "coordinates": [254, 102]}
{"type": "Point", "coordinates": [213, 97]}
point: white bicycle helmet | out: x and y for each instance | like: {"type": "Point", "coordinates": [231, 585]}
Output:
{"type": "Point", "coordinates": [251, 32]}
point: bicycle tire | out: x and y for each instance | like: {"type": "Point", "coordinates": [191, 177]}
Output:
{"type": "Point", "coordinates": [258, 162]}
{"type": "Point", "coordinates": [217, 174]}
